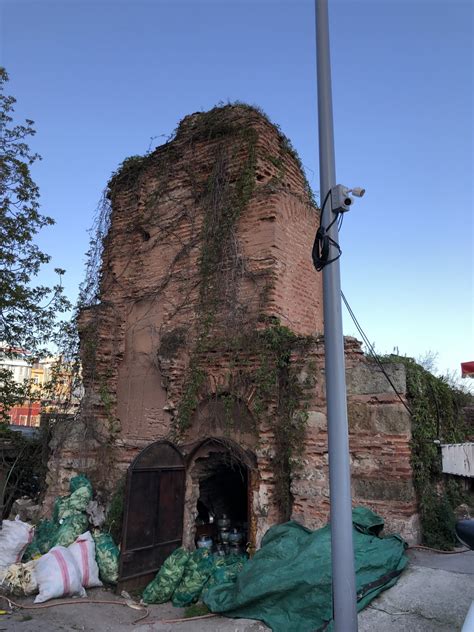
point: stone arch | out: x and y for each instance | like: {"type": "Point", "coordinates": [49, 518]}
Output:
{"type": "Point", "coordinates": [223, 415]}
{"type": "Point", "coordinates": [215, 459]}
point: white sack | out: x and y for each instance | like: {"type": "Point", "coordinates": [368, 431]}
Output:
{"type": "Point", "coordinates": [83, 551]}
{"type": "Point", "coordinates": [58, 575]}
{"type": "Point", "coordinates": [15, 536]}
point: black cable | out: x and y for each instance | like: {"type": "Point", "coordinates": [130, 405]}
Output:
{"type": "Point", "coordinates": [372, 351]}
{"type": "Point", "coordinates": [323, 206]}
{"type": "Point", "coordinates": [323, 242]}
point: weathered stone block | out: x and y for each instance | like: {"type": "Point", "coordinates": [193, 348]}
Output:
{"type": "Point", "coordinates": [391, 419]}
{"type": "Point", "coordinates": [317, 422]}
{"type": "Point", "coordinates": [360, 417]}
{"type": "Point", "coordinates": [368, 379]}
{"type": "Point", "coordinates": [409, 528]}
{"type": "Point", "coordinates": [376, 489]}
{"type": "Point", "coordinates": [26, 509]}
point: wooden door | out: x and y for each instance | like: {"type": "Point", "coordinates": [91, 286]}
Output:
{"type": "Point", "coordinates": [153, 513]}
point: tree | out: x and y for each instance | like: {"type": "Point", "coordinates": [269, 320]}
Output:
{"type": "Point", "coordinates": [28, 311]}
{"type": "Point", "coordinates": [429, 361]}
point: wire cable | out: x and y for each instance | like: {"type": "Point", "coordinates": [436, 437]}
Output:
{"type": "Point", "coordinates": [324, 206]}
{"type": "Point", "coordinates": [323, 242]}
{"type": "Point", "coordinates": [372, 351]}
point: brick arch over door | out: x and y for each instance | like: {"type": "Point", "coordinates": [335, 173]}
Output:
{"type": "Point", "coordinates": [223, 415]}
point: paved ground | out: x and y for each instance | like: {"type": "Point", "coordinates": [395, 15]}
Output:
{"type": "Point", "coordinates": [423, 600]}
{"type": "Point", "coordinates": [456, 562]}
{"type": "Point", "coordinates": [433, 595]}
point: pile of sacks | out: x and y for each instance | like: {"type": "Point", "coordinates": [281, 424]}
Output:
{"type": "Point", "coordinates": [64, 571]}
{"type": "Point", "coordinates": [185, 576]}
{"type": "Point", "coordinates": [61, 557]}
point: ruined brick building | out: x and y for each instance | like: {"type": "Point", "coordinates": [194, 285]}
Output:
{"type": "Point", "coordinates": [203, 358]}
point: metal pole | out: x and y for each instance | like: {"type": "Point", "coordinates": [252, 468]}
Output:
{"type": "Point", "coordinates": [343, 573]}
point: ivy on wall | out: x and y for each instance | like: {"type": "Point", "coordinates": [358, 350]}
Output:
{"type": "Point", "coordinates": [114, 518]}
{"type": "Point", "coordinates": [223, 319]}
{"type": "Point", "coordinates": [437, 414]}
{"type": "Point", "coordinates": [279, 397]}
{"type": "Point", "coordinates": [222, 266]}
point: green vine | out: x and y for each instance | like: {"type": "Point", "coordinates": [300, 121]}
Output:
{"type": "Point", "coordinates": [114, 518]}
{"type": "Point", "coordinates": [127, 173]}
{"type": "Point", "coordinates": [277, 376]}
{"type": "Point", "coordinates": [224, 203]}
{"type": "Point", "coordinates": [436, 415]}
{"type": "Point", "coordinates": [107, 400]}
{"type": "Point", "coordinates": [223, 323]}
{"type": "Point", "coordinates": [190, 398]}
{"type": "Point", "coordinates": [275, 381]}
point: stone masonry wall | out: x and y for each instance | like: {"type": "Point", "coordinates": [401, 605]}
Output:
{"type": "Point", "coordinates": [210, 244]}
{"type": "Point", "coordinates": [379, 441]}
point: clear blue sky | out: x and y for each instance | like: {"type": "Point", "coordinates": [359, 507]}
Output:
{"type": "Point", "coordinates": [101, 78]}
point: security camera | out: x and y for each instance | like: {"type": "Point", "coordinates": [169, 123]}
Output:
{"type": "Point", "coordinates": [340, 198]}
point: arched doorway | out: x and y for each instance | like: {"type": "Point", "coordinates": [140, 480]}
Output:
{"type": "Point", "coordinates": [171, 493]}
{"type": "Point", "coordinates": [220, 479]}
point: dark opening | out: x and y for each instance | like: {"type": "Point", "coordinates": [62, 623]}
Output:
{"type": "Point", "coordinates": [223, 491]}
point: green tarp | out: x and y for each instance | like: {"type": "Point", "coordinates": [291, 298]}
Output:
{"type": "Point", "coordinates": [287, 584]}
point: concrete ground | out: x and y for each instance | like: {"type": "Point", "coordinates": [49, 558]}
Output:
{"type": "Point", "coordinates": [433, 595]}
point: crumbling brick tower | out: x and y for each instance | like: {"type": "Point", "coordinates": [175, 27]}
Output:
{"type": "Point", "coordinates": [207, 334]}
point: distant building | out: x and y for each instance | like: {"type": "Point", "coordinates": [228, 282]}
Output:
{"type": "Point", "coordinates": [28, 414]}
{"type": "Point", "coordinates": [39, 373]}
{"type": "Point", "coordinates": [16, 361]}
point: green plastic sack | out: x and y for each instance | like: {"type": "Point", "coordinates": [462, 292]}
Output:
{"type": "Point", "coordinates": [197, 572]}
{"type": "Point", "coordinates": [75, 503]}
{"type": "Point", "coordinates": [79, 481]}
{"type": "Point", "coordinates": [169, 576]}
{"type": "Point", "coordinates": [31, 552]}
{"type": "Point", "coordinates": [71, 528]}
{"type": "Point", "coordinates": [225, 570]}
{"type": "Point", "coordinates": [107, 557]}
{"type": "Point", "coordinates": [46, 533]}
{"type": "Point", "coordinates": [57, 507]}
{"type": "Point", "coordinates": [68, 520]}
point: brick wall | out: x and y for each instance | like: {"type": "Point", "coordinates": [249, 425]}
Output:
{"type": "Point", "coordinates": [153, 327]}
